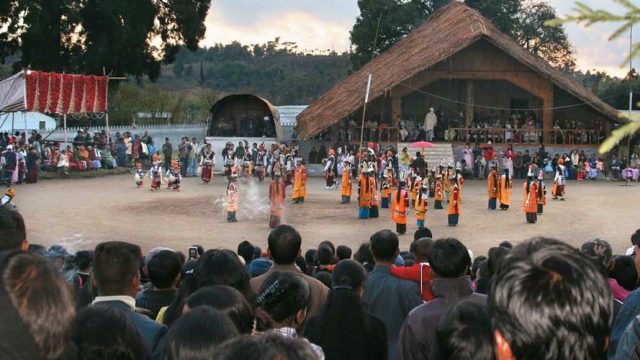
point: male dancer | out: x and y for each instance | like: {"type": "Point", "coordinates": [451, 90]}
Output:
{"type": "Point", "coordinates": [346, 182]}
{"type": "Point", "coordinates": [232, 195]}
{"type": "Point", "coordinates": [276, 200]}
{"type": "Point", "coordinates": [299, 182]}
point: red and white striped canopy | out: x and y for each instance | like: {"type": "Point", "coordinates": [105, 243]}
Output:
{"type": "Point", "coordinates": [54, 93]}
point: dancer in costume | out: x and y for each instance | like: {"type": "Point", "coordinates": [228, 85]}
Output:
{"type": "Point", "coordinates": [529, 201]}
{"type": "Point", "coordinates": [400, 208]}
{"type": "Point", "coordinates": [287, 160]}
{"type": "Point", "coordinates": [347, 182]}
{"type": "Point", "coordinates": [412, 185]}
{"type": "Point", "coordinates": [422, 204]}
{"type": "Point", "coordinates": [207, 162]}
{"type": "Point", "coordinates": [329, 170]}
{"type": "Point", "coordinates": [365, 195]}
{"type": "Point", "coordinates": [388, 185]}
{"type": "Point", "coordinates": [432, 184]}
{"type": "Point", "coordinates": [454, 203]}
{"type": "Point", "coordinates": [299, 182]}
{"type": "Point", "coordinates": [559, 182]}
{"type": "Point", "coordinates": [438, 192]}
{"type": "Point", "coordinates": [541, 197]}
{"type": "Point", "coordinates": [174, 177]}
{"type": "Point", "coordinates": [493, 186]}
{"type": "Point", "coordinates": [373, 184]}
{"type": "Point", "coordinates": [138, 175]}
{"type": "Point", "coordinates": [259, 162]}
{"type": "Point", "coordinates": [155, 173]}
{"type": "Point", "coordinates": [276, 200]}
{"type": "Point", "coordinates": [506, 188]}
{"type": "Point", "coordinates": [459, 180]}
{"type": "Point", "coordinates": [232, 195]}
{"type": "Point", "coordinates": [446, 183]}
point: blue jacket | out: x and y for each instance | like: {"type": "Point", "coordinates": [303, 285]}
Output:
{"type": "Point", "coordinates": [152, 332]}
{"type": "Point", "coordinates": [391, 299]}
{"type": "Point", "coordinates": [630, 310]}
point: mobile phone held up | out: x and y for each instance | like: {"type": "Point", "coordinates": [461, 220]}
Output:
{"type": "Point", "coordinates": [193, 253]}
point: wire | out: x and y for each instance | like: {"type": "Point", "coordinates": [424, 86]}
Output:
{"type": "Point", "coordinates": [501, 108]}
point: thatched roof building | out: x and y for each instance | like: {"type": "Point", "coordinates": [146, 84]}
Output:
{"type": "Point", "coordinates": [456, 42]}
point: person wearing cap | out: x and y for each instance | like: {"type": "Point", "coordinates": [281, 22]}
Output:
{"type": "Point", "coordinates": [207, 163]}
{"type": "Point", "coordinates": [559, 182]}
{"type": "Point", "coordinates": [232, 195]}
{"type": "Point", "coordinates": [492, 187]}
{"type": "Point", "coordinates": [138, 175]}
{"type": "Point", "coordinates": [446, 183]}
{"type": "Point", "coordinates": [155, 173]}
{"type": "Point", "coordinates": [505, 189]}
{"type": "Point", "coordinates": [400, 208]}
{"type": "Point", "coordinates": [387, 186]}
{"type": "Point", "coordinates": [174, 176]}
{"type": "Point", "coordinates": [259, 160]}
{"type": "Point", "coordinates": [414, 182]}
{"type": "Point", "coordinates": [276, 200]}
{"type": "Point", "coordinates": [438, 196]}
{"type": "Point", "coordinates": [347, 182]}
{"type": "Point", "coordinates": [541, 197]}
{"type": "Point", "coordinates": [529, 198]}
{"type": "Point", "coordinates": [299, 182]}
{"type": "Point", "coordinates": [454, 202]}
{"type": "Point", "coordinates": [422, 203]}
{"type": "Point", "coordinates": [375, 199]}
{"type": "Point", "coordinates": [365, 192]}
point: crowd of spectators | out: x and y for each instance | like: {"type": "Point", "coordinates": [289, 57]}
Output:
{"type": "Point", "coordinates": [540, 299]}
{"type": "Point", "coordinates": [24, 158]}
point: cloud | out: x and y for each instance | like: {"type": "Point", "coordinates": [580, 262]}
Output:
{"type": "Point", "coordinates": [325, 24]}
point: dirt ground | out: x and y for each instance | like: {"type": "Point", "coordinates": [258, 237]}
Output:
{"type": "Point", "coordinates": [81, 213]}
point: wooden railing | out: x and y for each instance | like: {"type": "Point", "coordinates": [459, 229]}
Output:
{"type": "Point", "coordinates": [379, 135]}
{"type": "Point", "coordinates": [526, 136]}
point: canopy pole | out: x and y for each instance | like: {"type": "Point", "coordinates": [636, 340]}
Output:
{"type": "Point", "coordinates": [24, 116]}
{"type": "Point", "coordinates": [106, 117]}
{"type": "Point", "coordinates": [364, 111]}
{"type": "Point", "coordinates": [64, 118]}
{"type": "Point", "coordinates": [13, 115]}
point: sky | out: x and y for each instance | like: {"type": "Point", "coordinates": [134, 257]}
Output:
{"type": "Point", "coordinates": [325, 25]}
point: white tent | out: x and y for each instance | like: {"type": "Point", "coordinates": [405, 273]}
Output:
{"type": "Point", "coordinates": [12, 93]}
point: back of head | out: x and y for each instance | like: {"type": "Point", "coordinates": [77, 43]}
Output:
{"type": "Point", "coordinates": [384, 246]}
{"type": "Point", "coordinates": [115, 266]}
{"type": "Point", "coordinates": [624, 271]}
{"type": "Point", "coordinates": [343, 252]}
{"type": "Point", "coordinates": [324, 255]}
{"type": "Point", "coordinates": [228, 300]}
{"type": "Point", "coordinates": [282, 295]}
{"type": "Point", "coordinates": [267, 346]}
{"type": "Point", "coordinates": [222, 267]}
{"type": "Point", "coordinates": [464, 332]}
{"type": "Point", "coordinates": [43, 299]}
{"type": "Point", "coordinates": [506, 244]}
{"type": "Point", "coordinates": [421, 249]}
{"type": "Point", "coordinates": [325, 278]}
{"type": "Point", "coordinates": [635, 238]}
{"type": "Point", "coordinates": [449, 258]}
{"type": "Point", "coordinates": [422, 233]}
{"type": "Point", "coordinates": [549, 301]}
{"type": "Point", "coordinates": [363, 256]}
{"type": "Point", "coordinates": [164, 268]}
{"type": "Point", "coordinates": [284, 244]}
{"type": "Point", "coordinates": [83, 259]}
{"type": "Point", "coordinates": [600, 251]}
{"type": "Point", "coordinates": [247, 251]}
{"type": "Point", "coordinates": [496, 254]}
{"type": "Point", "coordinates": [198, 333]}
{"type": "Point", "coordinates": [12, 230]}
{"type": "Point", "coordinates": [329, 244]}
{"type": "Point", "coordinates": [104, 333]}
{"type": "Point", "coordinates": [349, 275]}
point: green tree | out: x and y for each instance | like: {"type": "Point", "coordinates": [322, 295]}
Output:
{"type": "Point", "coordinates": [548, 42]}
{"type": "Point", "coordinates": [123, 37]}
{"type": "Point", "coordinates": [503, 13]}
{"type": "Point", "coordinates": [397, 18]}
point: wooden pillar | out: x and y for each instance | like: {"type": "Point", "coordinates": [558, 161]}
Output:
{"type": "Point", "coordinates": [470, 99]}
{"type": "Point", "coordinates": [547, 113]}
{"type": "Point", "coordinates": [396, 110]}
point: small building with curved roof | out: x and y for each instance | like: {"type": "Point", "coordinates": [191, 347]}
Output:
{"type": "Point", "coordinates": [244, 116]}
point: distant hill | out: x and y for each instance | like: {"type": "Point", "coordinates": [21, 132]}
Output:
{"type": "Point", "coordinates": [273, 70]}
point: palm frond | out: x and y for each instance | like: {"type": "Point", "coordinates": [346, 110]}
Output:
{"type": "Point", "coordinates": [620, 134]}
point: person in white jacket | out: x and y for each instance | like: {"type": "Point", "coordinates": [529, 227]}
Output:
{"type": "Point", "coordinates": [430, 122]}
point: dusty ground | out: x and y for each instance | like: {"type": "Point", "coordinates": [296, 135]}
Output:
{"type": "Point", "coordinates": [81, 213]}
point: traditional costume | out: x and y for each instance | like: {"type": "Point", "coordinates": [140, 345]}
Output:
{"type": "Point", "coordinates": [329, 170]}
{"type": "Point", "coordinates": [558, 182]}
{"type": "Point", "coordinates": [415, 184]}
{"type": "Point", "coordinates": [276, 200]}
{"type": "Point", "coordinates": [387, 187]}
{"type": "Point", "coordinates": [541, 197]}
{"type": "Point", "coordinates": [454, 203]}
{"type": "Point", "coordinates": [138, 175]}
{"type": "Point", "coordinates": [259, 162]}
{"type": "Point", "coordinates": [438, 192]}
{"type": "Point", "coordinates": [459, 179]}
{"type": "Point", "coordinates": [375, 200]}
{"type": "Point", "coordinates": [207, 164]}
{"type": "Point", "coordinates": [529, 201]}
{"type": "Point", "coordinates": [422, 204]}
{"type": "Point", "coordinates": [365, 193]}
{"type": "Point", "coordinates": [174, 177]}
{"type": "Point", "coordinates": [400, 208]}
{"type": "Point", "coordinates": [155, 173]}
{"type": "Point", "coordinates": [346, 183]}
{"type": "Point", "coordinates": [492, 187]}
{"type": "Point", "coordinates": [506, 188]}
{"type": "Point", "coordinates": [232, 195]}
{"type": "Point", "coordinates": [446, 183]}
{"type": "Point", "coordinates": [299, 182]}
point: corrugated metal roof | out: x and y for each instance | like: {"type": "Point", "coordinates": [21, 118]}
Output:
{"type": "Point", "coordinates": [288, 114]}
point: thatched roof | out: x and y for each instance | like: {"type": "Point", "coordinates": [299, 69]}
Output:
{"type": "Point", "coordinates": [448, 31]}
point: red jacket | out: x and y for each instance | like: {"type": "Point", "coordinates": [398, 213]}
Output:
{"type": "Point", "coordinates": [413, 273]}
